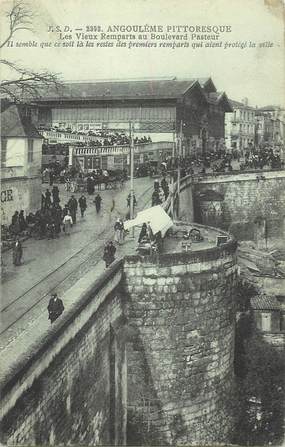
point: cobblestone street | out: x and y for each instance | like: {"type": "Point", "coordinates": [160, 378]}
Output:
{"type": "Point", "coordinates": [55, 265]}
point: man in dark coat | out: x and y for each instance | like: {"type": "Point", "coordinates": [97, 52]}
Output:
{"type": "Point", "coordinates": [90, 185]}
{"type": "Point", "coordinates": [143, 233]}
{"type": "Point", "coordinates": [109, 253]}
{"type": "Point", "coordinates": [55, 195]}
{"type": "Point", "coordinates": [58, 219]}
{"type": "Point", "coordinates": [97, 201]}
{"type": "Point", "coordinates": [22, 221]}
{"type": "Point", "coordinates": [15, 225]}
{"type": "Point", "coordinates": [15, 218]}
{"type": "Point", "coordinates": [72, 205]}
{"type": "Point", "coordinates": [48, 199]}
{"type": "Point", "coordinates": [51, 177]}
{"type": "Point", "coordinates": [55, 308]}
{"type": "Point", "coordinates": [82, 205]}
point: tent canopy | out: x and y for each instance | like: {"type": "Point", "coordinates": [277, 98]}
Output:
{"type": "Point", "coordinates": [155, 216]}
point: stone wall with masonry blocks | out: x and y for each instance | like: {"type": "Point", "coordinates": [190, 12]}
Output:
{"type": "Point", "coordinates": [181, 307]}
{"type": "Point", "coordinates": [78, 397]}
{"type": "Point", "coordinates": [247, 197]}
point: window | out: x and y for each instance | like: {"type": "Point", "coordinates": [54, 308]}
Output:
{"type": "Point", "coordinates": [265, 321]}
{"type": "Point", "coordinates": [30, 150]}
{"type": "Point", "coordinates": [3, 151]}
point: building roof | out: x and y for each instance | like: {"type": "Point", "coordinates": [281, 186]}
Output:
{"type": "Point", "coordinates": [269, 108]}
{"type": "Point", "coordinates": [207, 85]}
{"type": "Point", "coordinates": [264, 302]}
{"type": "Point", "coordinates": [218, 97]}
{"type": "Point", "coordinates": [240, 105]}
{"type": "Point", "coordinates": [102, 90]}
{"type": "Point", "coordinates": [15, 124]}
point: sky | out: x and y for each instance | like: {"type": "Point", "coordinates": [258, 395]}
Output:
{"type": "Point", "coordinates": [256, 73]}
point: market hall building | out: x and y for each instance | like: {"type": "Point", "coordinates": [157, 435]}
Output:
{"type": "Point", "coordinates": [159, 108]}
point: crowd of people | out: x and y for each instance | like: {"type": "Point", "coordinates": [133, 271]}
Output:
{"type": "Point", "coordinates": [56, 172]}
{"type": "Point", "coordinates": [221, 161]}
{"type": "Point", "coordinates": [148, 242]}
{"type": "Point", "coordinates": [99, 177]}
{"type": "Point", "coordinates": [49, 221]}
{"type": "Point", "coordinates": [99, 138]}
{"type": "Point", "coordinates": [117, 139]}
{"type": "Point", "coordinates": [72, 178]}
{"type": "Point", "coordinates": [53, 219]}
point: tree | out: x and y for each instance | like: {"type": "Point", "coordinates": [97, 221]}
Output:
{"type": "Point", "coordinates": [22, 83]}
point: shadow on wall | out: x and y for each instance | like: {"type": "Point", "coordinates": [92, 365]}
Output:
{"type": "Point", "coordinates": [143, 404]}
{"type": "Point", "coordinates": [210, 209]}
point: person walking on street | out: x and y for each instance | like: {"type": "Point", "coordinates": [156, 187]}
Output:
{"type": "Point", "coordinates": [48, 199]}
{"type": "Point", "coordinates": [43, 204]}
{"type": "Point", "coordinates": [55, 195]}
{"type": "Point", "coordinates": [55, 308]}
{"type": "Point", "coordinates": [97, 201]}
{"type": "Point", "coordinates": [118, 227]}
{"type": "Point", "coordinates": [67, 223]}
{"type": "Point", "coordinates": [73, 205]}
{"type": "Point", "coordinates": [90, 185]}
{"type": "Point", "coordinates": [15, 218]}
{"type": "Point", "coordinates": [22, 221]}
{"type": "Point", "coordinates": [17, 252]}
{"type": "Point", "coordinates": [51, 177]}
{"type": "Point", "coordinates": [109, 253]}
{"type": "Point", "coordinates": [122, 231]}
{"type": "Point", "coordinates": [82, 205]}
{"type": "Point", "coordinates": [57, 219]}
{"type": "Point", "coordinates": [129, 200]}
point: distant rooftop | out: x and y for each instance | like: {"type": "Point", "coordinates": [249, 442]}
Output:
{"type": "Point", "coordinates": [240, 105]}
{"type": "Point", "coordinates": [270, 108]}
{"type": "Point", "coordinates": [264, 302]}
{"type": "Point", "coordinates": [125, 89]}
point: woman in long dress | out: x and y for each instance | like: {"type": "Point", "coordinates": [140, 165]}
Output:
{"type": "Point", "coordinates": [67, 222]}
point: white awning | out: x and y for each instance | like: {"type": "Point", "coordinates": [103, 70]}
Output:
{"type": "Point", "coordinates": [155, 216]}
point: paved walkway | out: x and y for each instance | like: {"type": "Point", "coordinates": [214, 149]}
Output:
{"type": "Point", "coordinates": [56, 265]}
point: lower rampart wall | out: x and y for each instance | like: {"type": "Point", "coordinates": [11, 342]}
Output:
{"type": "Point", "coordinates": [180, 358]}
{"type": "Point", "coordinates": [252, 205]}
{"type": "Point", "coordinates": [72, 388]}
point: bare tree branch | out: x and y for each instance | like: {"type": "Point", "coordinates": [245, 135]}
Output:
{"type": "Point", "coordinates": [20, 18]}
{"type": "Point", "coordinates": [23, 83]}
{"type": "Point", "coordinates": [26, 84]}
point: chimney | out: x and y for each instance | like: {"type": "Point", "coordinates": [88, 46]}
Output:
{"type": "Point", "coordinates": [245, 101]}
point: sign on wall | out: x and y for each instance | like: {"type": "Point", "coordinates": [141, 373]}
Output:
{"type": "Point", "coordinates": [14, 197]}
{"type": "Point", "coordinates": [7, 195]}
